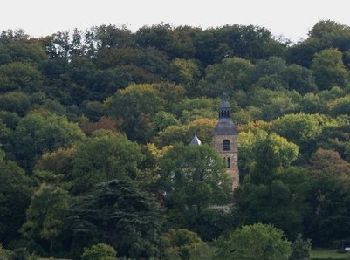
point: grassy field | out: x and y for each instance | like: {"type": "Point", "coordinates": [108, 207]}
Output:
{"type": "Point", "coordinates": [328, 254]}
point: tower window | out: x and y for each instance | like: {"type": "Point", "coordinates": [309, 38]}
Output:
{"type": "Point", "coordinates": [226, 145]}
{"type": "Point", "coordinates": [228, 162]}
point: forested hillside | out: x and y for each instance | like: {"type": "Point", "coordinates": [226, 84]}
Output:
{"type": "Point", "coordinates": [94, 133]}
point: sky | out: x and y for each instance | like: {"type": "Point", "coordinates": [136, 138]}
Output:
{"type": "Point", "coordinates": [290, 19]}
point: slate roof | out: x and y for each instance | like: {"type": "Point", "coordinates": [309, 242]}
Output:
{"type": "Point", "coordinates": [225, 126]}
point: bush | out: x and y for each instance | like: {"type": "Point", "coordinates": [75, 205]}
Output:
{"type": "Point", "coordinates": [99, 252]}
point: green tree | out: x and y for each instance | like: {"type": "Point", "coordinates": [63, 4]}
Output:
{"type": "Point", "coordinates": [185, 72]}
{"type": "Point", "coordinates": [331, 34]}
{"type": "Point", "coordinates": [336, 138]}
{"type": "Point", "coordinates": [190, 109]}
{"type": "Point", "coordinates": [150, 60]}
{"type": "Point", "coordinates": [5, 254]}
{"type": "Point", "coordinates": [164, 119]}
{"type": "Point", "coordinates": [10, 119]}
{"type": "Point", "coordinates": [38, 133]}
{"type": "Point", "coordinates": [94, 110]}
{"type": "Point", "coordinates": [22, 51]}
{"type": "Point", "coordinates": [272, 153]}
{"type": "Point", "coordinates": [111, 36]}
{"type": "Point", "coordinates": [193, 177]}
{"type": "Point", "coordinates": [5, 137]}
{"type": "Point", "coordinates": [117, 158]}
{"type": "Point", "coordinates": [329, 69]}
{"type": "Point", "coordinates": [119, 214]}
{"type": "Point", "coordinates": [262, 154]}
{"type": "Point", "coordinates": [328, 219]}
{"type": "Point", "coordinates": [339, 106]}
{"type": "Point", "coordinates": [180, 243]}
{"type": "Point", "coordinates": [273, 103]}
{"type": "Point", "coordinates": [46, 215]}
{"type": "Point", "coordinates": [59, 162]}
{"type": "Point", "coordinates": [135, 106]}
{"type": "Point", "coordinates": [255, 242]}
{"type": "Point", "coordinates": [246, 149]}
{"type": "Point", "coordinates": [324, 27]}
{"type": "Point", "coordinates": [302, 129]}
{"type": "Point", "coordinates": [158, 36]}
{"type": "Point", "coordinates": [17, 102]}
{"type": "Point", "coordinates": [99, 252]}
{"type": "Point", "coordinates": [15, 192]}
{"type": "Point", "coordinates": [231, 74]}
{"type": "Point", "coordinates": [330, 161]}
{"type": "Point", "coordinates": [271, 74]}
{"type": "Point", "coordinates": [301, 249]}
{"type": "Point", "coordinates": [19, 76]}
{"type": "Point", "coordinates": [300, 79]}
{"type": "Point", "coordinates": [283, 198]}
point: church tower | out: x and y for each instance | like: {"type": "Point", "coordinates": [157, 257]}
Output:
{"type": "Point", "coordinates": [225, 142]}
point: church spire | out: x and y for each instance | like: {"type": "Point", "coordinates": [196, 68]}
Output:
{"type": "Point", "coordinates": [225, 109]}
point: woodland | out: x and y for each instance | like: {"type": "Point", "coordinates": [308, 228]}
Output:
{"type": "Point", "coordinates": [94, 133]}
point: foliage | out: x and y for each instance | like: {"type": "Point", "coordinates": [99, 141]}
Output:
{"type": "Point", "coordinates": [273, 203]}
{"type": "Point", "coordinates": [119, 214]}
{"type": "Point", "coordinates": [193, 177]}
{"type": "Point", "coordinates": [16, 102]}
{"type": "Point", "coordinates": [328, 197]}
{"type": "Point", "coordinates": [340, 105]}
{"type": "Point", "coordinates": [302, 129]}
{"type": "Point", "coordinates": [180, 242]}
{"type": "Point", "coordinates": [301, 249]}
{"type": "Point", "coordinates": [19, 76]}
{"type": "Point", "coordinates": [100, 120]}
{"type": "Point", "coordinates": [330, 162]}
{"type": "Point", "coordinates": [329, 69]}
{"type": "Point", "coordinates": [38, 133]}
{"type": "Point", "coordinates": [256, 149]}
{"type": "Point", "coordinates": [15, 192]}
{"type": "Point", "coordinates": [118, 158]}
{"type": "Point", "coordinates": [134, 106]}
{"type": "Point", "coordinates": [5, 254]}
{"type": "Point", "coordinates": [99, 252]}
{"type": "Point", "coordinates": [46, 214]}
{"type": "Point", "coordinates": [231, 74]}
{"type": "Point", "coordinates": [277, 147]}
{"type": "Point", "coordinates": [256, 241]}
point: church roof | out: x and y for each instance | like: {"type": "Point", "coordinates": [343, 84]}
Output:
{"type": "Point", "coordinates": [196, 141]}
{"type": "Point", "coordinates": [225, 126]}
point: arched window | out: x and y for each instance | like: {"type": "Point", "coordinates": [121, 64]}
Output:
{"type": "Point", "coordinates": [226, 145]}
{"type": "Point", "coordinates": [228, 162]}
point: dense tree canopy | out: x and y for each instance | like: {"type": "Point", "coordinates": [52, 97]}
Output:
{"type": "Point", "coordinates": [193, 176]}
{"type": "Point", "coordinates": [94, 134]}
{"type": "Point", "coordinates": [15, 191]}
{"type": "Point", "coordinates": [119, 214]}
{"type": "Point", "coordinates": [38, 133]}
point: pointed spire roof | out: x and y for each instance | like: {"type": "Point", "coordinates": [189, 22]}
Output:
{"type": "Point", "coordinates": [196, 141]}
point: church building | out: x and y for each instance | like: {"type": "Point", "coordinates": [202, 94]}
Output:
{"type": "Point", "coordinates": [225, 142]}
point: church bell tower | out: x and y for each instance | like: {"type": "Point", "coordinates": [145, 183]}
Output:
{"type": "Point", "coordinates": [225, 142]}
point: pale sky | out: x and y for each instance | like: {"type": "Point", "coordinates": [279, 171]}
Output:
{"type": "Point", "coordinates": [291, 19]}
